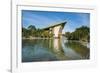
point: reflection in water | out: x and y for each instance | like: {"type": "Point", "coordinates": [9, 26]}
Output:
{"type": "Point", "coordinates": [53, 50]}
{"type": "Point", "coordinates": [82, 50]}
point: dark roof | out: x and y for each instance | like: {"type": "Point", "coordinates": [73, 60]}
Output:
{"type": "Point", "coordinates": [56, 24]}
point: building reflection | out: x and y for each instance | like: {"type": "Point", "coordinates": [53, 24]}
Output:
{"type": "Point", "coordinates": [68, 50]}
{"type": "Point", "coordinates": [57, 49]}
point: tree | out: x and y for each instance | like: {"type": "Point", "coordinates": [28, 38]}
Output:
{"type": "Point", "coordinates": [68, 34]}
{"type": "Point", "coordinates": [31, 27]}
{"type": "Point", "coordinates": [32, 30]}
{"type": "Point", "coordinates": [81, 33]}
{"type": "Point", "coordinates": [25, 32]}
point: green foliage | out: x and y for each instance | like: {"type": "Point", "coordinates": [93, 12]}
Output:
{"type": "Point", "coordinates": [31, 27]}
{"type": "Point", "coordinates": [33, 32]}
{"type": "Point", "coordinates": [81, 33]}
{"type": "Point", "coordinates": [25, 32]}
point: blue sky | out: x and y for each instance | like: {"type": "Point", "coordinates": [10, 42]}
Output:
{"type": "Point", "coordinates": [41, 19]}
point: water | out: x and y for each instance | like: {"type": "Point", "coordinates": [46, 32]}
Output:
{"type": "Point", "coordinates": [53, 50]}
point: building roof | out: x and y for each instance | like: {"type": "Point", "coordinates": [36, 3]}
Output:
{"type": "Point", "coordinates": [55, 24]}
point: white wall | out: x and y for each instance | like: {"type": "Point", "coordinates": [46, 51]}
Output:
{"type": "Point", "coordinates": [56, 31]}
{"type": "Point", "coordinates": [5, 36]}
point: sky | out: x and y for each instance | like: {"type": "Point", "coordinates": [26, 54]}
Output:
{"type": "Point", "coordinates": [42, 19]}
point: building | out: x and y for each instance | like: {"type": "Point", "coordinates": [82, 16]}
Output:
{"type": "Point", "coordinates": [55, 30]}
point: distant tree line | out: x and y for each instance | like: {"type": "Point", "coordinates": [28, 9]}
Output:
{"type": "Point", "coordinates": [81, 33]}
{"type": "Point", "coordinates": [32, 31]}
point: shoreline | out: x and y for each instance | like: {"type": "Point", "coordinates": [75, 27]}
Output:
{"type": "Point", "coordinates": [85, 43]}
{"type": "Point", "coordinates": [35, 38]}
{"type": "Point", "coordinates": [32, 38]}
{"type": "Point", "coordinates": [54, 38]}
